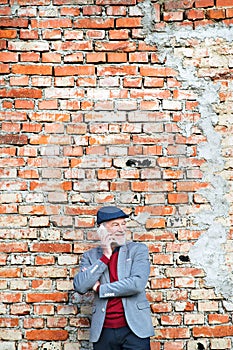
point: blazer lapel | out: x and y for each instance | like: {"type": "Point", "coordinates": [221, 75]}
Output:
{"type": "Point", "coordinates": [121, 265]}
{"type": "Point", "coordinates": [105, 277]}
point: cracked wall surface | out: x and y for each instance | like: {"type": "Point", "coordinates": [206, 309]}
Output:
{"type": "Point", "coordinates": [203, 57]}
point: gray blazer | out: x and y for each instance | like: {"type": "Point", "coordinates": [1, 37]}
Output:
{"type": "Point", "coordinates": [133, 272]}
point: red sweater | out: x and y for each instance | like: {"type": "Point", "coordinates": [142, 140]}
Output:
{"type": "Point", "coordinates": [115, 316]}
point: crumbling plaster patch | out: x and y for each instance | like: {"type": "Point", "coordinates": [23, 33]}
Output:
{"type": "Point", "coordinates": [209, 250]}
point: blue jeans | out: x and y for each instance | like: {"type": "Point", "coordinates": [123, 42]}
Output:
{"type": "Point", "coordinates": [121, 339]}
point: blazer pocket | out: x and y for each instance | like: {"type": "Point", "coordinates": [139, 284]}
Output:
{"type": "Point", "coordinates": [143, 305]}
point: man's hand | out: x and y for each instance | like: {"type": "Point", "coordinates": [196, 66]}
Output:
{"type": "Point", "coordinates": [105, 240]}
{"type": "Point", "coordinates": [96, 285]}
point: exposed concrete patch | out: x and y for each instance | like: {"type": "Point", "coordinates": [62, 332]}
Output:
{"type": "Point", "coordinates": [149, 16]}
{"type": "Point", "coordinates": [208, 252]}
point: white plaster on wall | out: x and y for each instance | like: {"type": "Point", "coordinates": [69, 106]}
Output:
{"type": "Point", "coordinates": [208, 252]}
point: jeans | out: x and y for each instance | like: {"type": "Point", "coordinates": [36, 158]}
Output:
{"type": "Point", "coordinates": [121, 339]}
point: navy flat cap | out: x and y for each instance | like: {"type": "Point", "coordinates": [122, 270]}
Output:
{"type": "Point", "coordinates": [110, 213]}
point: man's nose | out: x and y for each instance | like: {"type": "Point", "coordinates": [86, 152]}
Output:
{"type": "Point", "coordinates": [121, 228]}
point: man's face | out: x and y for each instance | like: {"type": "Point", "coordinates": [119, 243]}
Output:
{"type": "Point", "coordinates": [117, 230]}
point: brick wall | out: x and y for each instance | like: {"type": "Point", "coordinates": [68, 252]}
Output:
{"type": "Point", "coordinates": [121, 102]}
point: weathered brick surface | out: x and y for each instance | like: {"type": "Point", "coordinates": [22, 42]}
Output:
{"type": "Point", "coordinates": [94, 109]}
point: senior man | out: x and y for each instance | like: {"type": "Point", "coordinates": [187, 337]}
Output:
{"type": "Point", "coordinates": [117, 271]}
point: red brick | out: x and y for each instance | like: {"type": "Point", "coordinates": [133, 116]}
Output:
{"type": "Point", "coordinates": [44, 334]}
{"type": "Point", "coordinates": [116, 10]}
{"type": "Point", "coordinates": [51, 23]}
{"type": "Point", "coordinates": [10, 127]}
{"type": "Point", "coordinates": [61, 322]}
{"type": "Point", "coordinates": [10, 297]}
{"type": "Point", "coordinates": [120, 34]}
{"type": "Point", "coordinates": [51, 34]}
{"type": "Point", "coordinates": [21, 93]}
{"type": "Point", "coordinates": [8, 57]}
{"type": "Point", "coordinates": [174, 198]}
{"type": "Point", "coordinates": [22, 104]}
{"type": "Point", "coordinates": [142, 46]}
{"type": "Point", "coordinates": [157, 210]}
{"type": "Point", "coordinates": [131, 22]}
{"type": "Point", "coordinates": [167, 162]}
{"type": "Point", "coordinates": [216, 13]}
{"type": "Point", "coordinates": [81, 45]}
{"type": "Point", "coordinates": [116, 2]}
{"type": "Point", "coordinates": [173, 174]}
{"type": "Point", "coordinates": [171, 319]}
{"type": "Point", "coordinates": [161, 307]}
{"type": "Point", "coordinates": [114, 57]}
{"type": "Point", "coordinates": [48, 104]}
{"type": "Point", "coordinates": [4, 69]}
{"type": "Point", "coordinates": [33, 323]}
{"type": "Point", "coordinates": [31, 128]}
{"type": "Point", "coordinates": [173, 16]}
{"type": "Point", "coordinates": [162, 259]}
{"type": "Point", "coordinates": [125, 46]}
{"type": "Point", "coordinates": [14, 22]}
{"type": "Point", "coordinates": [174, 345]}
{"type": "Point", "coordinates": [155, 223]}
{"type": "Point", "coordinates": [153, 82]}
{"type": "Point", "coordinates": [182, 272]}
{"type": "Point", "coordinates": [35, 2]}
{"type": "Point", "coordinates": [29, 34]}
{"type": "Point", "coordinates": [14, 247]}
{"type": "Point", "coordinates": [70, 11]}
{"type": "Point", "coordinates": [157, 72]}
{"type": "Point", "coordinates": [112, 70]}
{"type": "Point", "coordinates": [46, 297]}
{"type": "Point", "coordinates": [44, 260]}
{"type": "Point", "coordinates": [95, 23]}
{"type": "Point", "coordinates": [195, 14]}
{"type": "Point", "coordinates": [51, 247]}
{"type": "Point", "coordinates": [213, 332]}
{"type": "Point", "coordinates": [149, 105]}
{"type": "Point", "coordinates": [178, 4]}
{"type": "Point", "coordinates": [29, 57]}
{"type": "Point", "coordinates": [218, 318]}
{"type": "Point", "coordinates": [190, 186]}
{"type": "Point", "coordinates": [90, 10]}
{"type": "Point", "coordinates": [188, 234]}
{"type": "Point", "coordinates": [11, 139]}
{"type": "Point", "coordinates": [51, 57]}
{"type": "Point", "coordinates": [208, 3]}
{"type": "Point", "coordinates": [8, 33]}
{"type": "Point", "coordinates": [138, 57]}
{"type": "Point", "coordinates": [44, 309]}
{"type": "Point", "coordinates": [20, 309]}
{"type": "Point", "coordinates": [161, 283]}
{"type": "Point", "coordinates": [228, 22]}
{"type": "Point", "coordinates": [84, 222]}
{"type": "Point", "coordinates": [107, 174]}
{"type": "Point", "coordinates": [93, 57]}
{"type": "Point", "coordinates": [32, 69]}
{"type": "Point", "coordinates": [19, 81]}
{"type": "Point", "coordinates": [172, 333]}
{"type": "Point", "coordinates": [223, 3]}
{"type": "Point", "coordinates": [152, 186]}
{"type": "Point", "coordinates": [74, 70]}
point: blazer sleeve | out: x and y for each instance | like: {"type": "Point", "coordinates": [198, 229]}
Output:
{"type": "Point", "coordinates": [88, 274]}
{"type": "Point", "coordinates": [137, 280]}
